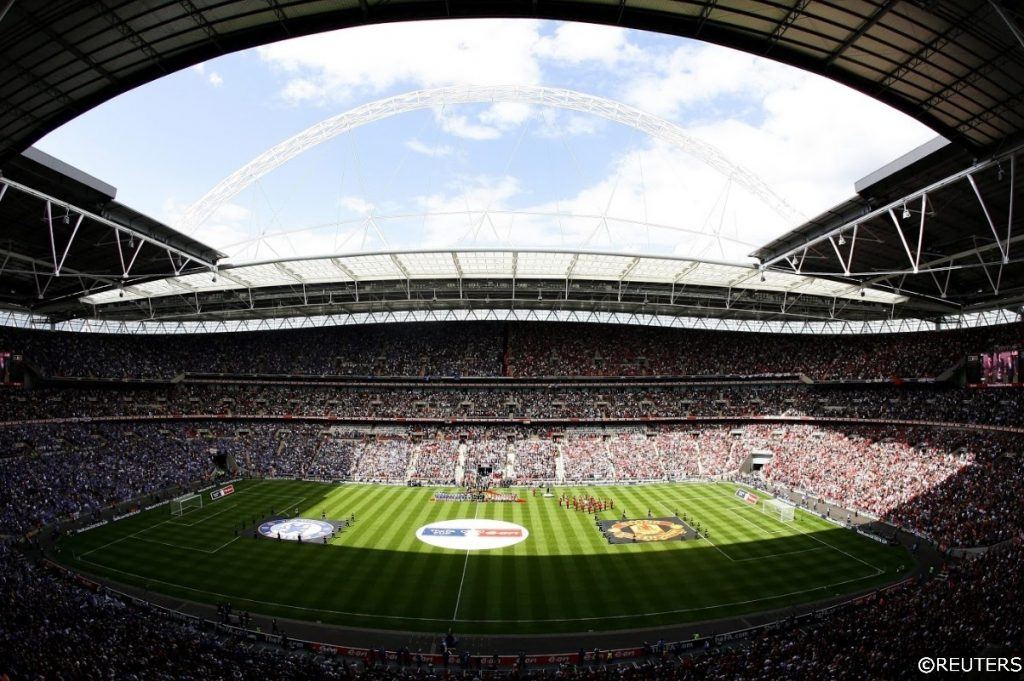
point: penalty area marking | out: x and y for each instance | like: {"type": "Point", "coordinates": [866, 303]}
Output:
{"type": "Point", "coordinates": [127, 536]}
{"type": "Point", "coordinates": [877, 569]}
{"type": "Point", "coordinates": [135, 535]}
{"type": "Point", "coordinates": [186, 548]}
{"type": "Point", "coordinates": [741, 513]}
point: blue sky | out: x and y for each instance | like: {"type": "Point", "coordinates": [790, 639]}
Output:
{"type": "Point", "coordinates": [490, 174]}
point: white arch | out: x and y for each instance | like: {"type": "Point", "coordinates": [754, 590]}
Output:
{"type": "Point", "coordinates": [614, 111]}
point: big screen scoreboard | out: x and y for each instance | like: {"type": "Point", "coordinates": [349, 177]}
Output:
{"type": "Point", "coordinates": [11, 372]}
{"type": "Point", "coordinates": [1002, 368]}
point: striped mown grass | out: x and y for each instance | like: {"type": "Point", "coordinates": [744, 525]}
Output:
{"type": "Point", "coordinates": [564, 577]}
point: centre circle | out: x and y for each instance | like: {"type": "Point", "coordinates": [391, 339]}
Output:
{"type": "Point", "coordinates": [472, 534]}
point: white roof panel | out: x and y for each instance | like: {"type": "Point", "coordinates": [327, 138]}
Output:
{"type": "Point", "coordinates": [204, 281]}
{"type": "Point", "coordinates": [266, 274]}
{"type": "Point", "coordinates": [480, 264]}
{"type": "Point", "coordinates": [429, 265]}
{"type": "Point", "coordinates": [601, 266]}
{"type": "Point", "coordinates": [372, 266]}
{"type": "Point", "coordinates": [532, 265]}
{"type": "Point", "coordinates": [158, 288]}
{"type": "Point", "coordinates": [497, 264]}
{"type": "Point", "coordinates": [317, 271]}
{"type": "Point", "coordinates": [658, 269]}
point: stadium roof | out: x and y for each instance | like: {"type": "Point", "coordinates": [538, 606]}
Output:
{"type": "Point", "coordinates": [64, 233]}
{"type": "Point", "coordinates": [502, 280]}
{"type": "Point", "coordinates": [492, 264]}
{"type": "Point", "coordinates": [956, 66]}
{"type": "Point", "coordinates": [935, 222]}
{"type": "Point", "coordinates": [931, 236]}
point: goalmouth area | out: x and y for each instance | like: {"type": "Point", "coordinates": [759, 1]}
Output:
{"type": "Point", "coordinates": [399, 561]}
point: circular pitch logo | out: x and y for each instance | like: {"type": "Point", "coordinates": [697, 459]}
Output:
{"type": "Point", "coordinates": [293, 529]}
{"type": "Point", "coordinates": [647, 530]}
{"type": "Point", "coordinates": [472, 534]}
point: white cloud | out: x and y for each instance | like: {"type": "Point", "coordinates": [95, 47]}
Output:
{"type": "Point", "coordinates": [459, 215]}
{"type": "Point", "coordinates": [575, 43]}
{"type": "Point", "coordinates": [431, 150]}
{"type": "Point", "coordinates": [299, 90]}
{"type": "Point", "coordinates": [356, 204]}
{"type": "Point", "coordinates": [807, 137]}
{"type": "Point", "coordinates": [213, 78]}
{"type": "Point", "coordinates": [489, 124]}
{"type": "Point", "coordinates": [229, 224]}
{"type": "Point", "coordinates": [369, 60]}
{"type": "Point", "coordinates": [696, 73]}
{"type": "Point", "coordinates": [506, 114]}
{"type": "Point", "coordinates": [676, 205]}
{"type": "Point", "coordinates": [231, 212]}
{"type": "Point", "coordinates": [557, 124]}
{"type": "Point", "coordinates": [461, 126]}
{"type": "Point", "coordinates": [815, 140]}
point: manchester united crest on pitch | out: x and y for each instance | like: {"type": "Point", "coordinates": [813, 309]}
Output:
{"type": "Point", "coordinates": [646, 530]}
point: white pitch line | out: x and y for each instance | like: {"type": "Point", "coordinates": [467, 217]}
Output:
{"type": "Point", "coordinates": [740, 512]}
{"type": "Point", "coordinates": [212, 515]}
{"type": "Point", "coordinates": [465, 564]}
{"type": "Point", "coordinates": [877, 570]}
{"type": "Point", "coordinates": [135, 535]}
{"type": "Point", "coordinates": [187, 548]}
{"type": "Point", "coordinates": [344, 613]}
{"type": "Point", "coordinates": [226, 544]}
{"type": "Point", "coordinates": [167, 543]}
{"type": "Point", "coordinates": [777, 555]}
{"type": "Point", "coordinates": [127, 536]}
{"type": "Point", "coordinates": [700, 535]}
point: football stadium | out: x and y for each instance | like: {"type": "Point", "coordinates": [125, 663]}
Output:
{"type": "Point", "coordinates": [394, 339]}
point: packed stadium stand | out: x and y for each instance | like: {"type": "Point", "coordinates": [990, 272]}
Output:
{"type": "Point", "coordinates": [928, 457]}
{"type": "Point", "coordinates": [508, 350]}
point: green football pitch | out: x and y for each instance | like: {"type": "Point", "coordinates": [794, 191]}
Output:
{"type": "Point", "coordinates": [564, 577]}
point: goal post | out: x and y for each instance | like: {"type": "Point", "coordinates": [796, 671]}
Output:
{"type": "Point", "coordinates": [186, 503]}
{"type": "Point", "coordinates": [780, 510]}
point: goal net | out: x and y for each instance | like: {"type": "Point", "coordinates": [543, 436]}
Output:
{"type": "Point", "coordinates": [779, 510]}
{"type": "Point", "coordinates": [186, 503]}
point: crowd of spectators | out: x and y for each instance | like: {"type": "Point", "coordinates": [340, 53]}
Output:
{"type": "Point", "coordinates": [383, 459]}
{"type": "Point", "coordinates": [699, 452]}
{"type": "Point", "coordinates": [975, 611]}
{"type": "Point", "coordinates": [534, 459]}
{"type": "Point", "coordinates": [393, 349]}
{"type": "Point", "coordinates": [436, 460]}
{"type": "Point", "coordinates": [951, 405]}
{"type": "Point", "coordinates": [635, 457]}
{"type": "Point", "coordinates": [54, 628]}
{"type": "Point", "coordinates": [959, 488]}
{"type": "Point", "coordinates": [585, 458]}
{"type": "Point", "coordinates": [77, 470]}
{"type": "Point", "coordinates": [333, 458]}
{"type": "Point", "coordinates": [512, 349]}
{"type": "Point", "coordinates": [542, 349]}
{"type": "Point", "coordinates": [482, 454]}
